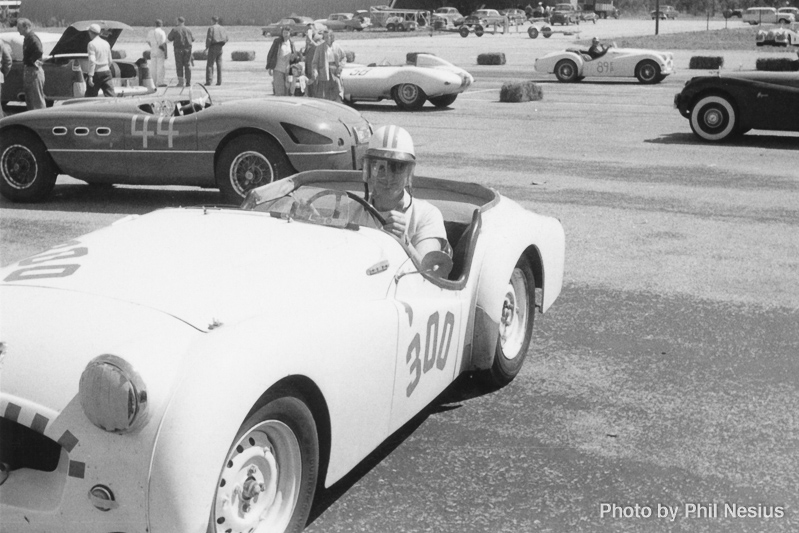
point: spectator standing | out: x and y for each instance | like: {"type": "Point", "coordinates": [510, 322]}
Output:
{"type": "Point", "coordinates": [328, 61]}
{"type": "Point", "coordinates": [33, 73]}
{"type": "Point", "coordinates": [99, 64]}
{"type": "Point", "coordinates": [312, 40]}
{"type": "Point", "coordinates": [156, 38]}
{"type": "Point", "coordinates": [182, 38]}
{"type": "Point", "coordinates": [5, 66]}
{"type": "Point", "coordinates": [278, 61]}
{"type": "Point", "coordinates": [214, 41]}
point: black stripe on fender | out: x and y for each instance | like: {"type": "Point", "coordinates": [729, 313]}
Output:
{"type": "Point", "coordinates": [12, 412]}
{"type": "Point", "coordinates": [39, 423]}
{"type": "Point", "coordinates": [77, 469]}
{"type": "Point", "coordinates": [68, 441]}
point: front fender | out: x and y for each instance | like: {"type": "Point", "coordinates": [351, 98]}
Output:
{"type": "Point", "coordinates": [541, 240]}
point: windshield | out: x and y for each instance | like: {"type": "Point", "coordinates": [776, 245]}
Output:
{"type": "Point", "coordinates": [316, 205]}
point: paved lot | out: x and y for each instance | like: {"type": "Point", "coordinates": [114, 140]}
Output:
{"type": "Point", "coordinates": [665, 374]}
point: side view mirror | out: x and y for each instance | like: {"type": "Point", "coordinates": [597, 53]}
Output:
{"type": "Point", "coordinates": [437, 264]}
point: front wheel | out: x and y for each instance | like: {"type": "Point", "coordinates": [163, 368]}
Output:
{"type": "Point", "coordinates": [27, 170]}
{"type": "Point", "coordinates": [479, 30]}
{"type": "Point", "coordinates": [532, 31]}
{"type": "Point", "coordinates": [515, 325]}
{"type": "Point", "coordinates": [249, 162]}
{"type": "Point", "coordinates": [269, 476]}
{"type": "Point", "coordinates": [713, 118]}
{"type": "Point", "coordinates": [390, 26]}
{"type": "Point", "coordinates": [566, 71]}
{"type": "Point", "coordinates": [443, 101]}
{"type": "Point", "coordinates": [647, 72]}
{"type": "Point", "coordinates": [464, 31]}
{"type": "Point", "coordinates": [408, 96]}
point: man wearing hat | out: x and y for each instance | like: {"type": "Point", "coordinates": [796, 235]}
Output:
{"type": "Point", "coordinates": [99, 64]}
{"type": "Point", "coordinates": [214, 41]}
{"type": "Point", "coordinates": [182, 38]}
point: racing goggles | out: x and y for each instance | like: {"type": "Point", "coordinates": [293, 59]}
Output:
{"type": "Point", "coordinates": [387, 173]}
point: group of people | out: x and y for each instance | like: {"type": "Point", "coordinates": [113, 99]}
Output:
{"type": "Point", "coordinates": [315, 71]}
{"type": "Point", "coordinates": [182, 42]}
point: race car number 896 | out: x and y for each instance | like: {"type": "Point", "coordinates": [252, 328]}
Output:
{"type": "Point", "coordinates": [435, 353]}
{"type": "Point", "coordinates": [604, 66]}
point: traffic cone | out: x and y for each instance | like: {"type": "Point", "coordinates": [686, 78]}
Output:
{"type": "Point", "coordinates": [145, 80]}
{"type": "Point", "coordinates": [78, 83]}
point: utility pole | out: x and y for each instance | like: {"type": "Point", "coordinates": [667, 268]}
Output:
{"type": "Point", "coordinates": [657, 16]}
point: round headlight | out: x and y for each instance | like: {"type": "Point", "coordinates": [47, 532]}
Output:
{"type": "Point", "coordinates": [112, 394]}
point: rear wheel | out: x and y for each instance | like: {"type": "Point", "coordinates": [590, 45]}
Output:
{"type": "Point", "coordinates": [28, 172]}
{"type": "Point", "coordinates": [479, 30]}
{"type": "Point", "coordinates": [515, 326]}
{"type": "Point", "coordinates": [532, 31]}
{"type": "Point", "coordinates": [566, 71]}
{"type": "Point", "coordinates": [647, 72]}
{"type": "Point", "coordinates": [269, 476]}
{"type": "Point", "coordinates": [390, 26]}
{"type": "Point", "coordinates": [464, 31]}
{"type": "Point", "coordinates": [249, 162]}
{"type": "Point", "coordinates": [713, 118]}
{"type": "Point", "coordinates": [408, 96]}
{"type": "Point", "coordinates": [444, 100]}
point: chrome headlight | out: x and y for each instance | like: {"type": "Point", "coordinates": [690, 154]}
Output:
{"type": "Point", "coordinates": [112, 394]}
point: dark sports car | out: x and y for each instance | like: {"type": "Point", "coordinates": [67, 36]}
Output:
{"type": "Point", "coordinates": [67, 58]}
{"type": "Point", "coordinates": [177, 139]}
{"type": "Point", "coordinates": [728, 104]}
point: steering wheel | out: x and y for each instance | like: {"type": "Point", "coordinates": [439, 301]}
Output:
{"type": "Point", "coordinates": [205, 90]}
{"type": "Point", "coordinates": [341, 194]}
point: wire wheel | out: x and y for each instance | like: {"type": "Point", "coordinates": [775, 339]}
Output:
{"type": "Point", "coordinates": [250, 170]}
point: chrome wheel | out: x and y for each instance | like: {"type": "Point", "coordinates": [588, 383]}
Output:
{"type": "Point", "coordinates": [19, 167]}
{"type": "Point", "coordinates": [260, 483]}
{"type": "Point", "coordinates": [515, 315]}
{"type": "Point", "coordinates": [250, 170]}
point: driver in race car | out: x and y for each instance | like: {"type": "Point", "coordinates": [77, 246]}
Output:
{"type": "Point", "coordinates": [388, 172]}
{"type": "Point", "coordinates": [597, 49]}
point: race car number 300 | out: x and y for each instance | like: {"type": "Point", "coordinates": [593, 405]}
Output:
{"type": "Point", "coordinates": [34, 269]}
{"type": "Point", "coordinates": [435, 353]}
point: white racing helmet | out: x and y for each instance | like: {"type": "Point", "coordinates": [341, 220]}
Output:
{"type": "Point", "coordinates": [390, 160]}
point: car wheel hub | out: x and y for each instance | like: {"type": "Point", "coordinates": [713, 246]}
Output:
{"type": "Point", "coordinates": [408, 93]}
{"type": "Point", "coordinates": [19, 167]}
{"type": "Point", "coordinates": [250, 170]}
{"type": "Point", "coordinates": [713, 118]}
{"type": "Point", "coordinates": [259, 485]}
{"type": "Point", "coordinates": [513, 321]}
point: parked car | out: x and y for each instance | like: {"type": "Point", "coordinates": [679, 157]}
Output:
{"type": "Point", "coordinates": [159, 376]}
{"type": "Point", "coordinates": [729, 104]}
{"type": "Point", "coordinates": [68, 60]}
{"type": "Point", "coordinates": [177, 139]}
{"type": "Point", "coordinates": [729, 13]}
{"type": "Point", "coordinates": [777, 36]}
{"type": "Point", "coordinates": [666, 12]}
{"type": "Point", "coordinates": [447, 17]}
{"type": "Point", "coordinates": [792, 10]}
{"type": "Point", "coordinates": [484, 18]}
{"type": "Point", "coordinates": [515, 16]}
{"type": "Point", "coordinates": [585, 16]}
{"type": "Point", "coordinates": [564, 14]}
{"type": "Point", "coordinates": [400, 23]}
{"type": "Point", "coordinates": [341, 22]}
{"type": "Point", "coordinates": [364, 16]}
{"type": "Point", "coordinates": [767, 15]}
{"type": "Point", "coordinates": [428, 77]}
{"type": "Point", "coordinates": [571, 65]}
{"type": "Point", "coordinates": [297, 24]}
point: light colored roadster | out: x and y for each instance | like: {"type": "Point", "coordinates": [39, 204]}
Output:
{"type": "Point", "coordinates": [426, 77]}
{"type": "Point", "coordinates": [205, 369]}
{"type": "Point", "coordinates": [177, 137]}
{"type": "Point", "coordinates": [570, 65]}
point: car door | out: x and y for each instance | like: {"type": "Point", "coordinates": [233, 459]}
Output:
{"type": "Point", "coordinates": [774, 106]}
{"type": "Point", "coordinates": [163, 144]}
{"type": "Point", "coordinates": [88, 145]}
{"type": "Point", "coordinates": [429, 343]}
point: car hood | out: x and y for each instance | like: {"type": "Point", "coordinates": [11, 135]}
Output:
{"type": "Point", "coordinates": [209, 267]}
{"type": "Point", "coordinates": [787, 79]}
{"type": "Point", "coordinates": [76, 38]}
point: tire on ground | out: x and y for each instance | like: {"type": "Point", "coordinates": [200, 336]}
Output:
{"type": "Point", "coordinates": [714, 118]}
{"type": "Point", "coordinates": [247, 162]}
{"type": "Point", "coordinates": [27, 171]}
{"type": "Point", "coordinates": [408, 97]}
{"type": "Point", "coordinates": [566, 71]}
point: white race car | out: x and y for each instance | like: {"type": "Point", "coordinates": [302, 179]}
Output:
{"type": "Point", "coordinates": [205, 369]}
{"type": "Point", "coordinates": [427, 78]}
{"type": "Point", "coordinates": [571, 65]}
{"type": "Point", "coordinates": [777, 36]}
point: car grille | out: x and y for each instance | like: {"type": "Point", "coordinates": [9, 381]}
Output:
{"type": "Point", "coordinates": [23, 447]}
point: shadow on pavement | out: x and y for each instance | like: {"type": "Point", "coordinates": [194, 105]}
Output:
{"type": "Point", "coordinates": [774, 142]}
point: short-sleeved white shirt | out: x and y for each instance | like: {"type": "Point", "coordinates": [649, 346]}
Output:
{"type": "Point", "coordinates": [424, 221]}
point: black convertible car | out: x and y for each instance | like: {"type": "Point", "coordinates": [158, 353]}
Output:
{"type": "Point", "coordinates": [722, 106]}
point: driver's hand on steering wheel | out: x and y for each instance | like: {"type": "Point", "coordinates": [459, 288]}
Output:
{"type": "Point", "coordinates": [396, 224]}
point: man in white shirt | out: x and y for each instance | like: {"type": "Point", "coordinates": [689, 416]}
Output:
{"type": "Point", "coordinates": [388, 171]}
{"type": "Point", "coordinates": [99, 64]}
{"type": "Point", "coordinates": [156, 38]}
